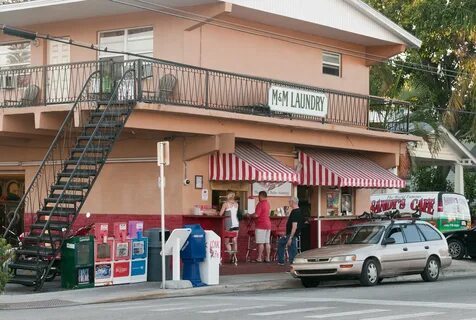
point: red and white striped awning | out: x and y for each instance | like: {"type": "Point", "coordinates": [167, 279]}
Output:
{"type": "Point", "coordinates": [344, 169]}
{"type": "Point", "coordinates": [249, 163]}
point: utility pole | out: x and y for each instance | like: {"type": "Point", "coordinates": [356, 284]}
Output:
{"type": "Point", "coordinates": [163, 159]}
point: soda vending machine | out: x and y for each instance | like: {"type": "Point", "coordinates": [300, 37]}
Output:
{"type": "Point", "coordinates": [122, 254]}
{"type": "Point", "coordinates": [103, 264]}
{"type": "Point", "coordinates": [139, 252]}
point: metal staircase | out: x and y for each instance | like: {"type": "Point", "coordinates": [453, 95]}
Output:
{"type": "Point", "coordinates": [68, 172]}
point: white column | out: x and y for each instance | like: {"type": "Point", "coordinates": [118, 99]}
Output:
{"type": "Point", "coordinates": [393, 170]}
{"type": "Point", "coordinates": [459, 178]}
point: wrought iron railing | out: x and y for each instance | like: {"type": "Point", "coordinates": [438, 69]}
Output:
{"type": "Point", "coordinates": [178, 84]}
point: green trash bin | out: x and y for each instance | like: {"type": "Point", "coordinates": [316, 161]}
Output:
{"type": "Point", "coordinates": [77, 263]}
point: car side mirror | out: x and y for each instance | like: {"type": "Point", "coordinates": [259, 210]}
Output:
{"type": "Point", "coordinates": [388, 241]}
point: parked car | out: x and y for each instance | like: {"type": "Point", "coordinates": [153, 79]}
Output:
{"type": "Point", "coordinates": [446, 211]}
{"type": "Point", "coordinates": [461, 243]}
{"type": "Point", "coordinates": [373, 251]}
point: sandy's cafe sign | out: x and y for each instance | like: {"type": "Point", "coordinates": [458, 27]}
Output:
{"type": "Point", "coordinates": [289, 100]}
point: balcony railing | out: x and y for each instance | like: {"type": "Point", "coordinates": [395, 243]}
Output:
{"type": "Point", "coordinates": [13, 1]}
{"type": "Point", "coordinates": [177, 84]}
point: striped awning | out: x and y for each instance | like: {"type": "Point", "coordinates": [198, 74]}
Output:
{"type": "Point", "coordinates": [344, 169]}
{"type": "Point", "coordinates": [249, 163]}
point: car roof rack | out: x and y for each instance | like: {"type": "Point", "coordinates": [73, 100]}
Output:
{"type": "Point", "coordinates": [391, 215]}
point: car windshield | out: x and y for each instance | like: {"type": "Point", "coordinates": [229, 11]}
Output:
{"type": "Point", "coordinates": [358, 235]}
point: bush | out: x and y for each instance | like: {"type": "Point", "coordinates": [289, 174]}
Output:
{"type": "Point", "coordinates": [5, 255]}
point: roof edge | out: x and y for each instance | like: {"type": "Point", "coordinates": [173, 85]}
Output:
{"type": "Point", "coordinates": [410, 40]}
{"type": "Point", "coordinates": [458, 144]}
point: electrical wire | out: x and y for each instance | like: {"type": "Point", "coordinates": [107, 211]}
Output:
{"type": "Point", "coordinates": [29, 34]}
{"type": "Point", "coordinates": [261, 32]}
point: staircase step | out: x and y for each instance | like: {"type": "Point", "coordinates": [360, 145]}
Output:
{"type": "Point", "coordinates": [71, 186]}
{"type": "Point", "coordinates": [54, 225]}
{"type": "Point", "coordinates": [77, 173]}
{"type": "Point", "coordinates": [97, 137]}
{"type": "Point", "coordinates": [91, 149]}
{"type": "Point", "coordinates": [35, 250]}
{"type": "Point", "coordinates": [28, 265]}
{"type": "Point", "coordinates": [59, 212]}
{"type": "Point", "coordinates": [104, 124]}
{"type": "Point", "coordinates": [114, 113]}
{"type": "Point", "coordinates": [24, 280]}
{"type": "Point", "coordinates": [44, 238]}
{"type": "Point", "coordinates": [85, 162]}
{"type": "Point", "coordinates": [66, 198]}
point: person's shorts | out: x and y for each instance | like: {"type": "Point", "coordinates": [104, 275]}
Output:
{"type": "Point", "coordinates": [262, 235]}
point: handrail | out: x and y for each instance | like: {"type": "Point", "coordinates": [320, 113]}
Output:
{"type": "Point", "coordinates": [69, 117]}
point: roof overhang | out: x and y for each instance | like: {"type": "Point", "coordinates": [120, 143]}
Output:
{"type": "Point", "coordinates": [346, 20]}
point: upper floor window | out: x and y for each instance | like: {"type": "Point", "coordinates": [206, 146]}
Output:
{"type": "Point", "coordinates": [136, 40]}
{"type": "Point", "coordinates": [331, 63]}
{"type": "Point", "coordinates": [15, 54]}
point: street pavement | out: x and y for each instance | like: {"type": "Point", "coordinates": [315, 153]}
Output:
{"type": "Point", "coordinates": [449, 298]}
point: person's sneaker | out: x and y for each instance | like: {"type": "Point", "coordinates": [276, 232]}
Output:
{"type": "Point", "coordinates": [280, 264]}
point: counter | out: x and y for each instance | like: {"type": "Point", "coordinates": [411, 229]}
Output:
{"type": "Point", "coordinates": [329, 226]}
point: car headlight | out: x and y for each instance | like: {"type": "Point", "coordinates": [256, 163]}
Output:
{"type": "Point", "coordinates": [299, 260]}
{"type": "Point", "coordinates": [344, 258]}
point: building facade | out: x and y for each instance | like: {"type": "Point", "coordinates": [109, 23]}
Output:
{"type": "Point", "coordinates": [251, 95]}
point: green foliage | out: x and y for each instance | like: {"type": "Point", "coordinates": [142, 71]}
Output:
{"type": "Point", "coordinates": [430, 179]}
{"type": "Point", "coordinates": [448, 33]}
{"type": "Point", "coordinates": [470, 185]}
{"type": "Point", "coordinates": [4, 256]}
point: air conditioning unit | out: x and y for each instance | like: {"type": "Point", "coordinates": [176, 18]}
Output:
{"type": "Point", "coordinates": [8, 81]}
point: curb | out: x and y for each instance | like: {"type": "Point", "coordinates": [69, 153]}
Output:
{"type": "Point", "coordinates": [219, 289]}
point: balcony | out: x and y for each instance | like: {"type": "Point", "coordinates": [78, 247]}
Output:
{"type": "Point", "coordinates": [165, 82]}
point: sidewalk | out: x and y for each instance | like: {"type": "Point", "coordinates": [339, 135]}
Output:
{"type": "Point", "coordinates": [19, 297]}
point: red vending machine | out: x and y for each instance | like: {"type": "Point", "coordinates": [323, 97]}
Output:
{"type": "Point", "coordinates": [103, 246]}
{"type": "Point", "coordinates": [122, 254]}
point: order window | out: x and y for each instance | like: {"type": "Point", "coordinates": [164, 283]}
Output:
{"type": "Point", "coordinates": [331, 63]}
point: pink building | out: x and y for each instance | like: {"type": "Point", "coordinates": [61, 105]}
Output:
{"type": "Point", "coordinates": [252, 95]}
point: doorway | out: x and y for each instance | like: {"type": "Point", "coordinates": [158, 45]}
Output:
{"type": "Point", "coordinates": [12, 188]}
{"type": "Point", "coordinates": [59, 77]}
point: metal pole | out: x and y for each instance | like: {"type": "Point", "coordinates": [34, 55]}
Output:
{"type": "Point", "coordinates": [319, 217]}
{"type": "Point", "coordinates": [162, 215]}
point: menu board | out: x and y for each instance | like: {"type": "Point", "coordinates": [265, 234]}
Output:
{"type": "Point", "coordinates": [332, 202]}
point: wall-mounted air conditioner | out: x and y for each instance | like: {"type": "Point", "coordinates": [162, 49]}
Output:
{"type": "Point", "coordinates": [8, 81]}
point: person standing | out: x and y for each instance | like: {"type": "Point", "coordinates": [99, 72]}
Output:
{"type": "Point", "coordinates": [263, 227]}
{"type": "Point", "coordinates": [293, 230]}
{"type": "Point", "coordinates": [230, 210]}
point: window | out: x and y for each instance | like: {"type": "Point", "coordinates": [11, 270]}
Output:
{"type": "Point", "coordinates": [397, 234]}
{"type": "Point", "coordinates": [346, 201]}
{"type": "Point", "coordinates": [16, 54]}
{"type": "Point", "coordinates": [137, 40]}
{"type": "Point", "coordinates": [429, 233]}
{"type": "Point", "coordinates": [358, 235]}
{"type": "Point", "coordinates": [331, 63]}
{"type": "Point", "coordinates": [411, 233]}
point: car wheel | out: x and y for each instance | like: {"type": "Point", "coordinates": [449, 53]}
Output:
{"type": "Point", "coordinates": [309, 282]}
{"type": "Point", "coordinates": [370, 273]}
{"type": "Point", "coordinates": [432, 270]}
{"type": "Point", "coordinates": [456, 249]}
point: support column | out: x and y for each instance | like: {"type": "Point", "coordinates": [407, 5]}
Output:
{"type": "Point", "coordinates": [459, 178]}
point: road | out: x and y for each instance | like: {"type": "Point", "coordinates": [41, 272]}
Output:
{"type": "Point", "coordinates": [446, 299]}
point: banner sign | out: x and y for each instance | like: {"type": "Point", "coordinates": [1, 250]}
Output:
{"type": "Point", "coordinates": [305, 102]}
{"type": "Point", "coordinates": [273, 189]}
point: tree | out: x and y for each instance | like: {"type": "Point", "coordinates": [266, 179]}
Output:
{"type": "Point", "coordinates": [430, 179]}
{"type": "Point", "coordinates": [5, 255]}
{"type": "Point", "coordinates": [444, 68]}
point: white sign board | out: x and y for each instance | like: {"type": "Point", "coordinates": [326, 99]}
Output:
{"type": "Point", "coordinates": [305, 102]}
{"type": "Point", "coordinates": [273, 189]}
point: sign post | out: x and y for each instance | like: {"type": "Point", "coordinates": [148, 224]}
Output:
{"type": "Point", "coordinates": [163, 159]}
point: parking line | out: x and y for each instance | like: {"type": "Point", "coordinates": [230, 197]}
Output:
{"type": "Point", "coordinates": [241, 308]}
{"type": "Point", "coordinates": [348, 313]}
{"type": "Point", "coordinates": [142, 307]}
{"type": "Point", "coordinates": [275, 313]}
{"type": "Point", "coordinates": [190, 307]}
{"type": "Point", "coordinates": [407, 316]}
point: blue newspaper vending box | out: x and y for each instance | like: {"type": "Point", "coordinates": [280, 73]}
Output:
{"type": "Point", "coordinates": [139, 259]}
{"type": "Point", "coordinates": [193, 252]}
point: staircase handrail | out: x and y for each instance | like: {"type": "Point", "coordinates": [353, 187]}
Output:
{"type": "Point", "coordinates": [69, 117]}
{"type": "Point", "coordinates": [111, 101]}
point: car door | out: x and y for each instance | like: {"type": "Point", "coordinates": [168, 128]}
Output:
{"type": "Point", "coordinates": [394, 257]}
{"type": "Point", "coordinates": [417, 248]}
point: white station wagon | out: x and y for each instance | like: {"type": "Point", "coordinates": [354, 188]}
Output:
{"type": "Point", "coordinates": [373, 251]}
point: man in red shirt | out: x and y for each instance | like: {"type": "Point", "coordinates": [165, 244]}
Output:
{"type": "Point", "coordinates": [263, 227]}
